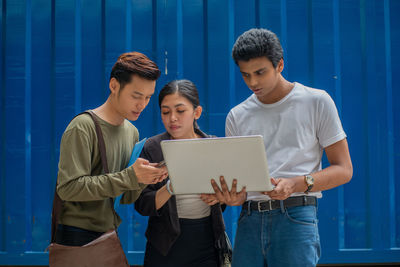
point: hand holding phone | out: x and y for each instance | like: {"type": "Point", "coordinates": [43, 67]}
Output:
{"type": "Point", "coordinates": [160, 164]}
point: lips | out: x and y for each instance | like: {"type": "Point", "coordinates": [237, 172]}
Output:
{"type": "Point", "coordinates": [174, 127]}
{"type": "Point", "coordinates": [257, 91]}
{"type": "Point", "coordinates": [136, 113]}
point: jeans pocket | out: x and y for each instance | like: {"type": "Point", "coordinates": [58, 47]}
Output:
{"type": "Point", "coordinates": [243, 214]}
{"type": "Point", "coordinates": [306, 215]}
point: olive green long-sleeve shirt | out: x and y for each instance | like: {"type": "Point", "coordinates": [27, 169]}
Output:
{"type": "Point", "coordinates": [81, 181]}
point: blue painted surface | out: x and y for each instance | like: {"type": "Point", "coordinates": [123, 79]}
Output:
{"type": "Point", "coordinates": [56, 57]}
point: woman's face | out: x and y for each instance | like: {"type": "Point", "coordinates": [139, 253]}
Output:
{"type": "Point", "coordinates": [178, 115]}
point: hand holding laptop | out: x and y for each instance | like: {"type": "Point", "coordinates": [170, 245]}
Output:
{"type": "Point", "coordinates": [224, 196]}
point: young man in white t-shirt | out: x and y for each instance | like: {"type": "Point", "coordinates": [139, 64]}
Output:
{"type": "Point", "coordinates": [298, 123]}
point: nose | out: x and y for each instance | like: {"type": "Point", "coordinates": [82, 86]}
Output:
{"type": "Point", "coordinates": [173, 116]}
{"type": "Point", "coordinates": [141, 104]}
{"type": "Point", "coordinates": [252, 82]}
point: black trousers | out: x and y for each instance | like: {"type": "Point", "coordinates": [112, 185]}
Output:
{"type": "Point", "coordinates": [194, 247]}
{"type": "Point", "coordinates": [74, 236]}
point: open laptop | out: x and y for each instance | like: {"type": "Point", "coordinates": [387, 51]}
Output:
{"type": "Point", "coordinates": [192, 163]}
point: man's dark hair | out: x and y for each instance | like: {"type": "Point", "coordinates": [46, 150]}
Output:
{"type": "Point", "coordinates": [257, 43]}
{"type": "Point", "coordinates": [134, 63]}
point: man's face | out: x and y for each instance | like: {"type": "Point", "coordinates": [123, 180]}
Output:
{"type": "Point", "coordinates": [261, 77]}
{"type": "Point", "coordinates": [131, 100]}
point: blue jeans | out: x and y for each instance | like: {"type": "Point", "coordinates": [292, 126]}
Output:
{"type": "Point", "coordinates": [282, 237]}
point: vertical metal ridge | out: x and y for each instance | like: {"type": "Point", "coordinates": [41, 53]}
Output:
{"type": "Point", "coordinates": [128, 26]}
{"type": "Point", "coordinates": [283, 36]}
{"type": "Point", "coordinates": [206, 62]}
{"type": "Point", "coordinates": [337, 58]}
{"type": "Point", "coordinates": [231, 36]}
{"type": "Point", "coordinates": [179, 41]}
{"type": "Point", "coordinates": [310, 43]}
{"type": "Point", "coordinates": [78, 57]}
{"type": "Point", "coordinates": [363, 31]}
{"type": "Point", "coordinates": [257, 11]}
{"type": "Point", "coordinates": [338, 100]}
{"type": "Point", "coordinates": [155, 54]}
{"type": "Point", "coordinates": [130, 225]}
{"type": "Point", "coordinates": [3, 122]}
{"type": "Point", "coordinates": [103, 48]}
{"type": "Point", "coordinates": [389, 118]}
{"type": "Point", "coordinates": [154, 33]}
{"type": "Point", "coordinates": [53, 140]}
{"type": "Point", "coordinates": [28, 141]}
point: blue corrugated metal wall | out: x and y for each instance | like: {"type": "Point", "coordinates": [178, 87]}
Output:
{"type": "Point", "coordinates": [56, 56]}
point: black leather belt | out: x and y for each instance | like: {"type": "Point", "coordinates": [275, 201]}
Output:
{"type": "Point", "coordinates": [267, 205]}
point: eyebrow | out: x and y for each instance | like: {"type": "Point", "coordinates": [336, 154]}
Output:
{"type": "Point", "coordinates": [254, 71]}
{"type": "Point", "coordinates": [177, 105]}
{"type": "Point", "coordinates": [140, 94]}
{"type": "Point", "coordinates": [261, 69]}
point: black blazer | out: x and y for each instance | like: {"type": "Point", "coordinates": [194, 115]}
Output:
{"type": "Point", "coordinates": [163, 227]}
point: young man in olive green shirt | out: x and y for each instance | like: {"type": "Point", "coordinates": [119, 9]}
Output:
{"type": "Point", "coordinates": [81, 183]}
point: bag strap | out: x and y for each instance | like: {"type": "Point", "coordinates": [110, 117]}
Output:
{"type": "Point", "coordinates": [103, 155]}
{"type": "Point", "coordinates": [55, 214]}
{"type": "Point", "coordinates": [58, 203]}
{"type": "Point", "coordinates": [102, 145]}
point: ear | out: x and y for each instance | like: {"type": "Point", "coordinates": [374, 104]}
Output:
{"type": "Point", "coordinates": [114, 86]}
{"type": "Point", "coordinates": [280, 66]}
{"type": "Point", "coordinates": [197, 112]}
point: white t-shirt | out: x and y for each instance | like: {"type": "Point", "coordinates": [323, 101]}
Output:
{"type": "Point", "coordinates": [191, 207]}
{"type": "Point", "coordinates": [295, 131]}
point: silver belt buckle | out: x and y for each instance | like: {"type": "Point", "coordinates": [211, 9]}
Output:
{"type": "Point", "coordinates": [259, 205]}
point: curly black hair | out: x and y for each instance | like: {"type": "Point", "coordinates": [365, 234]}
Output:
{"type": "Point", "coordinates": [257, 43]}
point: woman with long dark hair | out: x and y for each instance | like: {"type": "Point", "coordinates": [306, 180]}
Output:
{"type": "Point", "coordinates": [182, 229]}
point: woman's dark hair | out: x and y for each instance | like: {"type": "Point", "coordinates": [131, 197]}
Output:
{"type": "Point", "coordinates": [256, 43]}
{"type": "Point", "coordinates": [134, 63]}
{"type": "Point", "coordinates": [184, 88]}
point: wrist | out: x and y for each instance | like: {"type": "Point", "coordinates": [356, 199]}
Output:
{"type": "Point", "coordinates": [309, 181]}
{"type": "Point", "coordinates": [168, 187]}
{"type": "Point", "coordinates": [132, 167]}
{"type": "Point", "coordinates": [301, 185]}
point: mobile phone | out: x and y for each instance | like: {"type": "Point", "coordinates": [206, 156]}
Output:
{"type": "Point", "coordinates": [161, 164]}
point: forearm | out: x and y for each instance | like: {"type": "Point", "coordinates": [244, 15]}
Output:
{"type": "Point", "coordinates": [330, 177]}
{"type": "Point", "coordinates": [89, 188]}
{"type": "Point", "coordinates": [162, 196]}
